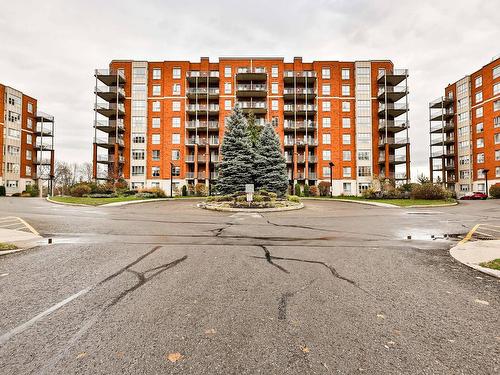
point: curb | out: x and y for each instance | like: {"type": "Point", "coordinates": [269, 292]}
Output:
{"type": "Point", "coordinates": [68, 204]}
{"type": "Point", "coordinates": [379, 204]}
{"type": "Point", "coordinates": [125, 203]}
{"type": "Point", "coordinates": [455, 252]}
{"type": "Point", "coordinates": [7, 252]}
{"type": "Point", "coordinates": [229, 209]}
{"type": "Point", "coordinates": [433, 205]}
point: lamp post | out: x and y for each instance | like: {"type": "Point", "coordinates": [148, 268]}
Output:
{"type": "Point", "coordinates": [331, 178]}
{"type": "Point", "coordinates": [209, 174]}
{"type": "Point", "coordinates": [171, 178]}
{"type": "Point", "coordinates": [485, 171]}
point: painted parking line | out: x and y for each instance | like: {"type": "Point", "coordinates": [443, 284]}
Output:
{"type": "Point", "coordinates": [469, 235]}
{"type": "Point", "coordinates": [18, 223]}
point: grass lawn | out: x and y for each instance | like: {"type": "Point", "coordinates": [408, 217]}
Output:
{"type": "Point", "coordinates": [401, 202]}
{"type": "Point", "coordinates": [94, 201]}
{"type": "Point", "coordinates": [494, 264]}
{"type": "Point", "coordinates": [7, 246]}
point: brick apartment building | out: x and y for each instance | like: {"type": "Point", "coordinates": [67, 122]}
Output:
{"type": "Point", "coordinates": [465, 132]}
{"type": "Point", "coordinates": [157, 122]}
{"type": "Point", "coordinates": [26, 141]}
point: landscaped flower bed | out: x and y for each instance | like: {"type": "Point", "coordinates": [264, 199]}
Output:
{"type": "Point", "coordinates": [261, 200]}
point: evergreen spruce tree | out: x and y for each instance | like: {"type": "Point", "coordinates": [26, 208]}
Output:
{"type": "Point", "coordinates": [236, 166]}
{"type": "Point", "coordinates": [253, 129]}
{"type": "Point", "coordinates": [270, 163]}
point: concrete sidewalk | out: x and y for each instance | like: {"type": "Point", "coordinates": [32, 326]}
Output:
{"type": "Point", "coordinates": [16, 231]}
{"type": "Point", "coordinates": [473, 253]}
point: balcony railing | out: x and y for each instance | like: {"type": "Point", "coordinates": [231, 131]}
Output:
{"type": "Point", "coordinates": [251, 87]}
{"type": "Point", "coordinates": [203, 90]}
{"type": "Point", "coordinates": [299, 107]}
{"type": "Point", "coordinates": [109, 90]}
{"type": "Point", "coordinates": [393, 106]}
{"type": "Point", "coordinates": [288, 124]}
{"type": "Point", "coordinates": [202, 124]}
{"type": "Point", "coordinates": [243, 70]}
{"type": "Point", "coordinates": [203, 107]}
{"type": "Point", "coordinates": [312, 158]}
{"type": "Point", "coordinates": [394, 72]}
{"type": "Point", "coordinates": [393, 158]}
{"type": "Point", "coordinates": [202, 74]}
{"type": "Point", "coordinates": [190, 175]}
{"type": "Point", "coordinates": [393, 90]}
{"type": "Point", "coordinates": [393, 141]}
{"type": "Point", "coordinates": [311, 176]}
{"type": "Point", "coordinates": [110, 106]}
{"type": "Point", "coordinates": [189, 158]}
{"type": "Point", "coordinates": [301, 74]}
{"type": "Point", "coordinates": [299, 91]}
{"type": "Point", "coordinates": [402, 124]}
{"type": "Point", "coordinates": [245, 105]}
{"type": "Point", "coordinates": [214, 175]}
{"type": "Point", "coordinates": [110, 72]}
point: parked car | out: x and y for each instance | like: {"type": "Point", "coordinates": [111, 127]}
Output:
{"type": "Point", "coordinates": [474, 196]}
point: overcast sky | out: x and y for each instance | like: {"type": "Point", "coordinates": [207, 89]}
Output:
{"type": "Point", "coordinates": [49, 48]}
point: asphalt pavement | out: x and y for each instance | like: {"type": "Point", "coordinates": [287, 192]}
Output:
{"type": "Point", "coordinates": [165, 287]}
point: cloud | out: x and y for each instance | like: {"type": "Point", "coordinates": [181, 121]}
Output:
{"type": "Point", "coordinates": [51, 51]}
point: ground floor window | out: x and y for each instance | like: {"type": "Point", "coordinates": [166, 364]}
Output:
{"type": "Point", "coordinates": [480, 187]}
{"type": "Point", "coordinates": [363, 187]}
{"type": "Point", "coordinates": [137, 185]}
{"type": "Point", "coordinates": [464, 188]}
{"type": "Point", "coordinates": [346, 188]}
{"type": "Point", "coordinates": [12, 183]}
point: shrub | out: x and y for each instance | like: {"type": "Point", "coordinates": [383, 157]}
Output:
{"type": "Point", "coordinates": [313, 191]}
{"type": "Point", "coordinates": [184, 191]}
{"type": "Point", "coordinates": [2, 191]}
{"type": "Point", "coordinates": [16, 195]}
{"type": "Point", "coordinates": [495, 191]}
{"type": "Point", "coordinates": [241, 198]}
{"type": "Point", "coordinates": [145, 194]}
{"type": "Point", "coordinates": [220, 198]}
{"type": "Point", "coordinates": [298, 190]}
{"type": "Point", "coordinates": [273, 196]}
{"type": "Point", "coordinates": [324, 188]}
{"type": "Point", "coordinates": [128, 192]}
{"type": "Point", "coordinates": [151, 193]}
{"type": "Point", "coordinates": [260, 198]}
{"type": "Point", "coordinates": [293, 198]}
{"type": "Point", "coordinates": [306, 190]}
{"type": "Point", "coordinates": [428, 191]}
{"type": "Point", "coordinates": [98, 195]}
{"type": "Point", "coordinates": [200, 190]}
{"type": "Point", "coordinates": [79, 190]}
{"type": "Point", "coordinates": [190, 189]}
{"type": "Point", "coordinates": [105, 188]}
{"type": "Point", "coordinates": [31, 191]}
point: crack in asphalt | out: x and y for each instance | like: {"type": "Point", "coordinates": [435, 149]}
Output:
{"type": "Point", "coordinates": [269, 259]}
{"type": "Point", "coordinates": [283, 302]}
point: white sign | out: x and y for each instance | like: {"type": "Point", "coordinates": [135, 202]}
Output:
{"type": "Point", "coordinates": [249, 188]}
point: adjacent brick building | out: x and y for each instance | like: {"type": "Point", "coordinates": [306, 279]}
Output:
{"type": "Point", "coordinates": [26, 142]}
{"type": "Point", "coordinates": [162, 122]}
{"type": "Point", "coordinates": [465, 132]}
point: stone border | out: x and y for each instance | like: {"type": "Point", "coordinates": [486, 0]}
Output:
{"type": "Point", "coordinates": [204, 206]}
{"type": "Point", "coordinates": [379, 204]}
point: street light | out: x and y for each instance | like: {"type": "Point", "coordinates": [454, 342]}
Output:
{"type": "Point", "coordinates": [171, 178]}
{"type": "Point", "coordinates": [331, 178]}
{"type": "Point", "coordinates": [209, 174]}
{"type": "Point", "coordinates": [485, 171]}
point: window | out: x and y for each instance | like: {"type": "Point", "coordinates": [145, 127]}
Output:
{"type": "Point", "coordinates": [138, 73]}
{"type": "Point", "coordinates": [326, 139]}
{"type": "Point", "coordinates": [176, 73]}
{"type": "Point", "coordinates": [227, 105]}
{"type": "Point", "coordinates": [157, 90]}
{"type": "Point", "coordinates": [363, 104]}
{"type": "Point", "coordinates": [138, 123]}
{"type": "Point", "coordinates": [479, 127]}
{"type": "Point", "coordinates": [176, 171]}
{"type": "Point", "coordinates": [30, 107]}
{"type": "Point", "coordinates": [496, 88]}
{"type": "Point", "coordinates": [155, 122]}
{"type": "Point", "coordinates": [496, 105]}
{"type": "Point", "coordinates": [137, 154]}
{"type": "Point", "coordinates": [156, 106]}
{"type": "Point", "coordinates": [176, 154]}
{"type": "Point", "coordinates": [363, 155]}
{"type": "Point", "coordinates": [480, 158]}
{"type": "Point", "coordinates": [364, 171]}
{"type": "Point", "coordinates": [325, 89]}
{"type": "Point", "coordinates": [346, 106]}
{"type": "Point", "coordinates": [480, 142]}
{"type": "Point", "coordinates": [326, 171]}
{"type": "Point", "coordinates": [176, 106]}
{"type": "Point", "coordinates": [463, 144]}
{"type": "Point", "coordinates": [345, 73]}
{"type": "Point", "coordinates": [497, 155]}
{"type": "Point", "coordinates": [479, 112]}
{"type": "Point", "coordinates": [478, 81]}
{"type": "Point", "coordinates": [365, 71]}
{"type": "Point", "coordinates": [227, 88]}
{"type": "Point", "coordinates": [496, 122]}
{"type": "Point", "coordinates": [346, 155]}
{"type": "Point", "coordinates": [496, 72]}
{"type": "Point", "coordinates": [326, 122]}
{"type": "Point", "coordinates": [227, 71]}
{"type": "Point", "coordinates": [176, 122]}
{"type": "Point", "coordinates": [176, 138]}
{"type": "Point", "coordinates": [480, 173]}
{"type": "Point", "coordinates": [346, 122]}
{"type": "Point", "coordinates": [137, 170]}
{"type": "Point", "coordinates": [274, 72]}
{"type": "Point", "coordinates": [29, 123]}
{"type": "Point", "coordinates": [28, 170]}
{"type": "Point", "coordinates": [137, 185]}
{"type": "Point", "coordinates": [12, 183]}
{"type": "Point", "coordinates": [364, 137]}
{"type": "Point", "coordinates": [176, 89]}
{"type": "Point", "coordinates": [346, 188]}
{"type": "Point", "coordinates": [497, 172]}
{"type": "Point", "coordinates": [14, 133]}
{"type": "Point", "coordinates": [325, 106]}
{"type": "Point", "coordinates": [138, 88]}
{"type": "Point", "coordinates": [156, 73]}
{"type": "Point", "coordinates": [346, 90]}
{"type": "Point", "coordinates": [327, 155]}
{"type": "Point", "coordinates": [274, 88]}
{"type": "Point", "coordinates": [155, 156]}
{"type": "Point", "coordinates": [138, 105]}
{"type": "Point", "coordinates": [479, 96]}
{"type": "Point", "coordinates": [346, 139]}
{"type": "Point", "coordinates": [496, 137]}
{"type": "Point", "coordinates": [464, 175]}
{"type": "Point", "coordinates": [155, 139]}
{"type": "Point", "coordinates": [463, 160]}
{"type": "Point", "coordinates": [138, 138]}
{"type": "Point", "coordinates": [28, 154]}
{"type": "Point", "coordinates": [29, 139]}
{"type": "Point", "coordinates": [274, 105]}
{"type": "Point", "coordinates": [325, 73]}
{"type": "Point", "coordinates": [346, 172]}
{"type": "Point", "coordinates": [155, 171]}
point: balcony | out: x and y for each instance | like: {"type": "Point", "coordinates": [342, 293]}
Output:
{"type": "Point", "coordinates": [110, 77]}
{"type": "Point", "coordinates": [301, 159]}
{"type": "Point", "coordinates": [290, 76]}
{"type": "Point", "coordinates": [393, 126]}
{"type": "Point", "coordinates": [202, 109]}
{"type": "Point", "coordinates": [202, 125]}
{"type": "Point", "coordinates": [190, 175]}
{"type": "Point", "coordinates": [446, 153]}
{"type": "Point", "coordinates": [447, 140]}
{"type": "Point", "coordinates": [255, 107]}
{"type": "Point", "coordinates": [442, 115]}
{"type": "Point", "coordinates": [109, 143]}
{"type": "Point", "coordinates": [110, 110]}
{"type": "Point", "coordinates": [251, 74]}
{"type": "Point", "coordinates": [189, 158]}
{"type": "Point", "coordinates": [393, 109]}
{"type": "Point", "coordinates": [214, 158]}
{"type": "Point", "coordinates": [290, 125]}
{"type": "Point", "coordinates": [202, 159]}
{"type": "Point", "coordinates": [393, 159]}
{"type": "Point", "coordinates": [42, 131]}
{"type": "Point", "coordinates": [447, 127]}
{"type": "Point", "coordinates": [43, 117]}
{"type": "Point", "coordinates": [43, 146]}
{"type": "Point", "coordinates": [251, 90]}
{"type": "Point", "coordinates": [214, 175]}
{"type": "Point", "coordinates": [312, 159]}
{"type": "Point", "coordinates": [393, 143]}
{"type": "Point", "coordinates": [299, 93]}
{"type": "Point", "coordinates": [110, 126]}
{"type": "Point", "coordinates": [202, 175]}
{"type": "Point", "coordinates": [108, 159]}
{"type": "Point", "coordinates": [394, 93]}
{"type": "Point", "coordinates": [442, 102]}
{"type": "Point", "coordinates": [202, 93]}
{"type": "Point", "coordinates": [392, 77]}
{"type": "Point", "coordinates": [311, 176]}
{"type": "Point", "coordinates": [213, 142]}
{"type": "Point", "coordinates": [110, 94]}
{"type": "Point", "coordinates": [300, 176]}
{"type": "Point", "coordinates": [203, 76]}
{"type": "Point", "coordinates": [42, 161]}
{"type": "Point", "coordinates": [289, 159]}
{"type": "Point", "coordinates": [299, 109]}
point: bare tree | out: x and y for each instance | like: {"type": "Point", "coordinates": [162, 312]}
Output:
{"type": "Point", "coordinates": [86, 172]}
{"type": "Point", "coordinates": [63, 177]}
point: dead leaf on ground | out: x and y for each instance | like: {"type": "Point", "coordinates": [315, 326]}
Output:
{"type": "Point", "coordinates": [210, 331]}
{"type": "Point", "coordinates": [305, 349]}
{"type": "Point", "coordinates": [174, 357]}
{"type": "Point", "coordinates": [381, 316]}
{"type": "Point", "coordinates": [81, 355]}
{"type": "Point", "coordinates": [481, 302]}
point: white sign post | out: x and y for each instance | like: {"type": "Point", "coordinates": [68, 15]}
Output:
{"type": "Point", "coordinates": [249, 189]}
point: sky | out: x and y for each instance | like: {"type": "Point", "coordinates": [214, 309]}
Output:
{"type": "Point", "coordinates": [50, 48]}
